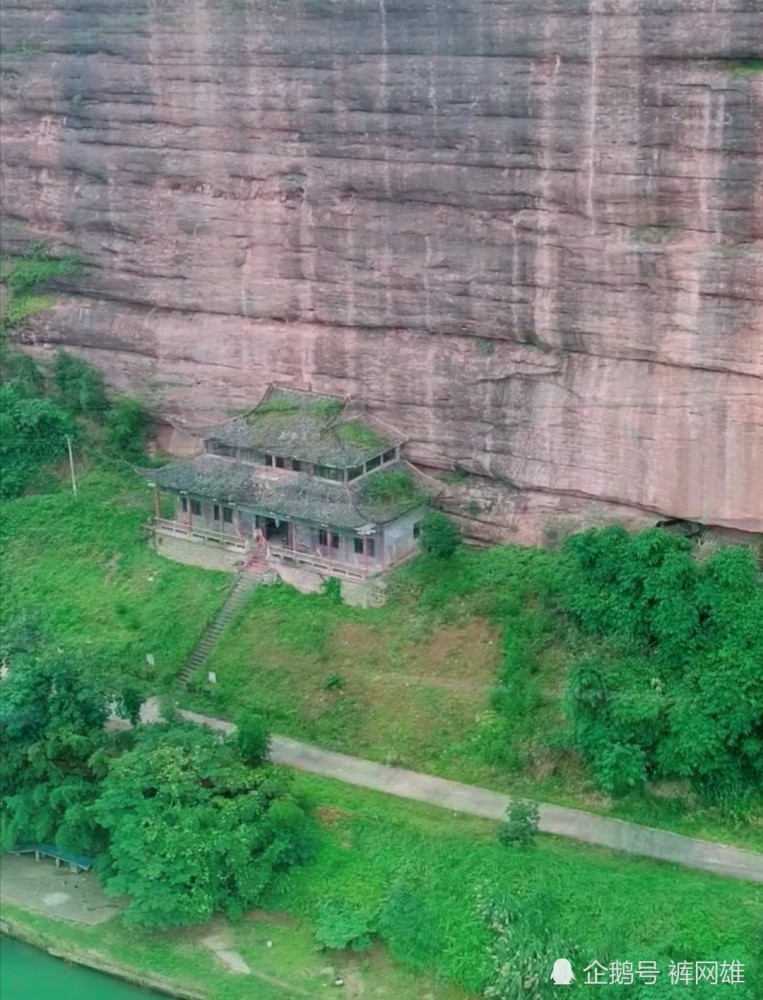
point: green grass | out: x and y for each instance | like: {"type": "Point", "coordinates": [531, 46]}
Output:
{"type": "Point", "coordinates": [415, 675]}
{"type": "Point", "coordinates": [83, 569]}
{"type": "Point", "coordinates": [415, 685]}
{"type": "Point", "coordinates": [610, 906]}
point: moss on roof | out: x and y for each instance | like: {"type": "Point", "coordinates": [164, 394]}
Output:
{"type": "Point", "coordinates": [294, 495]}
{"type": "Point", "coordinates": [306, 426]}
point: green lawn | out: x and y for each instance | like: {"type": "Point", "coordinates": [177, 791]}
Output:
{"type": "Point", "coordinates": [83, 570]}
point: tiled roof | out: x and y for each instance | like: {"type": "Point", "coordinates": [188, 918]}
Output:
{"type": "Point", "coordinates": [295, 495]}
{"type": "Point", "coordinates": [308, 426]}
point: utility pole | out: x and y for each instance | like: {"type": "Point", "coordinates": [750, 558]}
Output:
{"type": "Point", "coordinates": [71, 464]}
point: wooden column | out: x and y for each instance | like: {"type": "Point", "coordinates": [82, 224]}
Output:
{"type": "Point", "coordinates": [157, 502]}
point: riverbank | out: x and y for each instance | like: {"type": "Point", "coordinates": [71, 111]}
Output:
{"type": "Point", "coordinates": [14, 926]}
{"type": "Point", "coordinates": [270, 954]}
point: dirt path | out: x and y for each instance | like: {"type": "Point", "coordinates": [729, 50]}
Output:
{"type": "Point", "coordinates": [559, 820]}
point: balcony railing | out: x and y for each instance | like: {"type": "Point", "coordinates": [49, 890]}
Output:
{"type": "Point", "coordinates": [180, 529]}
{"type": "Point", "coordinates": [310, 560]}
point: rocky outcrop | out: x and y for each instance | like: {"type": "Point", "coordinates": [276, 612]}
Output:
{"type": "Point", "coordinates": [527, 232]}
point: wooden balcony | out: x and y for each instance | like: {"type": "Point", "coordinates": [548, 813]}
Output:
{"type": "Point", "coordinates": [197, 533]}
{"type": "Point", "coordinates": [320, 564]}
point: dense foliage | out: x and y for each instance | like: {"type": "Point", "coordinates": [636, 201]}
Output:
{"type": "Point", "coordinates": [36, 417]}
{"type": "Point", "coordinates": [51, 729]}
{"type": "Point", "coordinates": [177, 819]}
{"type": "Point", "coordinates": [440, 537]}
{"type": "Point", "coordinates": [192, 830]}
{"type": "Point", "coordinates": [677, 690]}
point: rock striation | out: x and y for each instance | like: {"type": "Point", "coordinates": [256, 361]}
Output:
{"type": "Point", "coordinates": [529, 233]}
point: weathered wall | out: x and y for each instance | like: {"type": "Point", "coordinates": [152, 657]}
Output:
{"type": "Point", "coordinates": [529, 232]}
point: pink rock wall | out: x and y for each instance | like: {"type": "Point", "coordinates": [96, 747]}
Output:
{"type": "Point", "coordinates": [528, 232]}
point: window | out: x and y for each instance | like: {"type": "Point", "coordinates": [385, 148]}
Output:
{"type": "Point", "coordinates": [249, 455]}
{"type": "Point", "coordinates": [268, 459]}
{"type": "Point", "coordinates": [296, 465]}
{"type": "Point", "coordinates": [354, 473]}
{"type": "Point", "coordinates": [216, 512]}
{"type": "Point", "coordinates": [279, 462]}
{"type": "Point", "coordinates": [184, 504]}
{"type": "Point", "coordinates": [373, 463]}
{"type": "Point", "coordinates": [370, 546]}
{"type": "Point", "coordinates": [323, 538]}
{"type": "Point", "coordinates": [389, 456]}
{"type": "Point", "coordinates": [327, 472]}
{"type": "Point", "coordinates": [334, 540]}
{"type": "Point", "coordinates": [227, 515]}
{"type": "Point", "coordinates": [417, 529]}
{"type": "Point", "coordinates": [196, 508]}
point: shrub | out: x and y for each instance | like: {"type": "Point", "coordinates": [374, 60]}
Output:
{"type": "Point", "coordinates": [80, 387]}
{"type": "Point", "coordinates": [334, 682]}
{"type": "Point", "coordinates": [252, 738]}
{"type": "Point", "coordinates": [341, 925]}
{"type": "Point", "coordinates": [33, 431]}
{"type": "Point", "coordinates": [411, 925]}
{"type": "Point", "coordinates": [127, 425]}
{"type": "Point", "coordinates": [440, 537]}
{"type": "Point", "coordinates": [521, 826]}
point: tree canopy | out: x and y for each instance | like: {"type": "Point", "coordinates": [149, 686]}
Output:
{"type": "Point", "coordinates": [192, 830]}
{"type": "Point", "coordinates": [676, 689]}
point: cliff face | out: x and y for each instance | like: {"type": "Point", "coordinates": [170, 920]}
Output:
{"type": "Point", "coordinates": [527, 232]}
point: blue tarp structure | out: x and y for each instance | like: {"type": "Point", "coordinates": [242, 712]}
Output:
{"type": "Point", "coordinates": [52, 851]}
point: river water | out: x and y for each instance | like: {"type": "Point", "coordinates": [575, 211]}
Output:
{"type": "Point", "coordinates": [28, 974]}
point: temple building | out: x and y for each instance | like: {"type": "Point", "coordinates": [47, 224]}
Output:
{"type": "Point", "coordinates": [303, 484]}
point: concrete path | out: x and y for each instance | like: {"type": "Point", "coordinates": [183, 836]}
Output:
{"type": "Point", "coordinates": [56, 892]}
{"type": "Point", "coordinates": [573, 823]}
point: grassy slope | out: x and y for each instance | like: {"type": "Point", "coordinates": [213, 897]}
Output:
{"type": "Point", "coordinates": [415, 679]}
{"type": "Point", "coordinates": [82, 568]}
{"type": "Point", "coordinates": [415, 675]}
{"type": "Point", "coordinates": [610, 907]}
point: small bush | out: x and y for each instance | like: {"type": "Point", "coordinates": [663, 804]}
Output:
{"type": "Point", "coordinates": [440, 538]}
{"type": "Point", "coordinates": [334, 682]}
{"type": "Point", "coordinates": [521, 826]}
{"type": "Point", "coordinates": [332, 588]}
{"type": "Point", "coordinates": [341, 925]}
{"type": "Point", "coordinates": [253, 738]}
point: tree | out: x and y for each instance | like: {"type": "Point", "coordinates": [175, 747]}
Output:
{"type": "Point", "coordinates": [440, 538]}
{"type": "Point", "coordinates": [33, 431]}
{"type": "Point", "coordinates": [128, 423]}
{"type": "Point", "coordinates": [80, 387]}
{"type": "Point", "coordinates": [679, 692]}
{"type": "Point", "coordinates": [52, 719]}
{"type": "Point", "coordinates": [192, 829]}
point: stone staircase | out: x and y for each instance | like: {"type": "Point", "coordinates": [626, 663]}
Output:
{"type": "Point", "coordinates": [248, 578]}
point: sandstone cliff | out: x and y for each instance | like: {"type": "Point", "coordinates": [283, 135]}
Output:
{"type": "Point", "coordinates": [528, 232]}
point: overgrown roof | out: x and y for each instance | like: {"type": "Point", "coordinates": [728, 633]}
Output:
{"type": "Point", "coordinates": [377, 498]}
{"type": "Point", "coordinates": [308, 426]}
